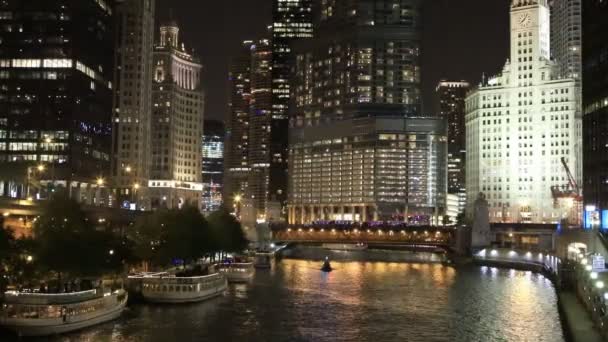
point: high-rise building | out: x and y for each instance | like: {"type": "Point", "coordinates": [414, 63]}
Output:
{"type": "Point", "coordinates": [177, 124]}
{"type": "Point", "coordinates": [56, 62]}
{"type": "Point", "coordinates": [292, 21]}
{"type": "Point", "coordinates": [595, 102]}
{"type": "Point", "coordinates": [255, 164]}
{"type": "Point", "coordinates": [566, 37]}
{"type": "Point", "coordinates": [260, 128]}
{"type": "Point", "coordinates": [236, 149]}
{"type": "Point", "coordinates": [213, 164]}
{"type": "Point", "coordinates": [521, 124]}
{"type": "Point", "coordinates": [359, 149]}
{"type": "Point", "coordinates": [451, 97]}
{"type": "Point", "coordinates": [131, 129]}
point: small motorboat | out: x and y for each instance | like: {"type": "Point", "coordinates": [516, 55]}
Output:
{"type": "Point", "coordinates": [326, 266]}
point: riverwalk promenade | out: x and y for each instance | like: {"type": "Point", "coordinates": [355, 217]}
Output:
{"type": "Point", "coordinates": [577, 320]}
{"type": "Point", "coordinates": [579, 325]}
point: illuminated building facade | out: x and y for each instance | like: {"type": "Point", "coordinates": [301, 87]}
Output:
{"type": "Point", "coordinates": [359, 149]}
{"type": "Point", "coordinates": [55, 94]}
{"type": "Point", "coordinates": [595, 105]}
{"type": "Point", "coordinates": [451, 97]}
{"type": "Point", "coordinates": [213, 164]}
{"type": "Point", "coordinates": [236, 151]}
{"type": "Point", "coordinates": [131, 121]}
{"type": "Point", "coordinates": [260, 128]}
{"type": "Point", "coordinates": [520, 124]}
{"type": "Point", "coordinates": [292, 21]}
{"type": "Point", "coordinates": [177, 124]}
{"type": "Point", "coordinates": [254, 159]}
{"type": "Point", "coordinates": [566, 37]}
{"type": "Point", "coordinates": [368, 169]}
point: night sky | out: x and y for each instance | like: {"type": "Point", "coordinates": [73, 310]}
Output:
{"type": "Point", "coordinates": [461, 39]}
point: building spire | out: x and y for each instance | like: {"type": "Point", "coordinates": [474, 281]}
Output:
{"type": "Point", "coordinates": [169, 32]}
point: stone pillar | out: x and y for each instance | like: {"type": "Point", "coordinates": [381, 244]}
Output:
{"type": "Point", "coordinates": [364, 213]}
{"type": "Point", "coordinates": [302, 214]}
{"type": "Point", "coordinates": [375, 213]}
{"type": "Point", "coordinates": [341, 212]}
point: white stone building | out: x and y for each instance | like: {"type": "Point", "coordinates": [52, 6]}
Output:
{"type": "Point", "coordinates": [520, 124]}
{"type": "Point", "coordinates": [177, 124]}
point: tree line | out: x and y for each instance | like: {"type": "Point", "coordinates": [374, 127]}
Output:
{"type": "Point", "coordinates": [66, 243]}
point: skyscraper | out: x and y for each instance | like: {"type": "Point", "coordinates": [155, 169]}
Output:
{"type": "Point", "coordinates": [451, 97]}
{"type": "Point", "coordinates": [260, 128]}
{"type": "Point", "coordinates": [566, 37]}
{"type": "Point", "coordinates": [55, 95]}
{"type": "Point", "coordinates": [521, 125]}
{"type": "Point", "coordinates": [177, 123]}
{"type": "Point", "coordinates": [131, 118]}
{"type": "Point", "coordinates": [292, 21]}
{"type": "Point", "coordinates": [236, 151]}
{"type": "Point", "coordinates": [253, 159]}
{"type": "Point", "coordinates": [213, 164]}
{"type": "Point", "coordinates": [595, 102]}
{"type": "Point", "coordinates": [356, 151]}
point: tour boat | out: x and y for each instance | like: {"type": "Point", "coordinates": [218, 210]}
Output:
{"type": "Point", "coordinates": [44, 314]}
{"type": "Point", "coordinates": [262, 260]}
{"type": "Point", "coordinates": [168, 288]}
{"type": "Point", "coordinates": [237, 271]}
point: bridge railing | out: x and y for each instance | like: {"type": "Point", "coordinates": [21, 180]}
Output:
{"type": "Point", "coordinates": [435, 237]}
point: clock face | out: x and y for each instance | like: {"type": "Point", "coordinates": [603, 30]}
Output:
{"type": "Point", "coordinates": [524, 20]}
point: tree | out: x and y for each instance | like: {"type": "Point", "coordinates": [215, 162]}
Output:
{"type": "Point", "coordinates": [7, 241]}
{"type": "Point", "coordinates": [146, 236]}
{"type": "Point", "coordinates": [461, 219]}
{"type": "Point", "coordinates": [185, 235]}
{"type": "Point", "coordinates": [68, 242]}
{"type": "Point", "coordinates": [227, 231]}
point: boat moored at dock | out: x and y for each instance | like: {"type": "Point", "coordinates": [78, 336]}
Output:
{"type": "Point", "coordinates": [168, 288]}
{"type": "Point", "coordinates": [44, 314]}
{"type": "Point", "coordinates": [263, 259]}
{"type": "Point", "coordinates": [236, 272]}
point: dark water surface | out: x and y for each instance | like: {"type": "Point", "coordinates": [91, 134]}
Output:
{"type": "Point", "coordinates": [359, 301]}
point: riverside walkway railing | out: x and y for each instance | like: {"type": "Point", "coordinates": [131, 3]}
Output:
{"type": "Point", "coordinates": [539, 261]}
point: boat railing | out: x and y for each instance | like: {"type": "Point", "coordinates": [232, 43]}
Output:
{"type": "Point", "coordinates": [172, 279]}
{"type": "Point", "coordinates": [15, 297]}
{"type": "Point", "coordinates": [143, 275]}
{"type": "Point", "coordinates": [236, 264]}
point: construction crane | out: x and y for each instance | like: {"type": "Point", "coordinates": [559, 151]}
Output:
{"type": "Point", "coordinates": [569, 191]}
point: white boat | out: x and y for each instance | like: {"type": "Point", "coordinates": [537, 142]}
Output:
{"type": "Point", "coordinates": [168, 288]}
{"type": "Point", "coordinates": [42, 314]}
{"type": "Point", "coordinates": [237, 271]}
{"type": "Point", "coordinates": [263, 260]}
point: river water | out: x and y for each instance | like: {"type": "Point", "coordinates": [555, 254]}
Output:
{"type": "Point", "coordinates": [359, 301]}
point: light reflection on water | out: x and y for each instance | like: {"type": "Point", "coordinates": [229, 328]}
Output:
{"type": "Point", "coordinates": [359, 301]}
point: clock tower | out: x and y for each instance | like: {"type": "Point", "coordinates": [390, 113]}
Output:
{"type": "Point", "coordinates": [521, 125]}
{"type": "Point", "coordinates": [530, 33]}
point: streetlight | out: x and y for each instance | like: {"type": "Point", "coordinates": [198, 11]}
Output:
{"type": "Point", "coordinates": [237, 204]}
{"type": "Point", "coordinates": [111, 252]}
{"type": "Point", "coordinates": [48, 140]}
{"type": "Point", "coordinates": [100, 181]}
{"type": "Point", "coordinates": [128, 169]}
{"type": "Point", "coordinates": [136, 186]}
{"type": "Point", "coordinates": [40, 167]}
